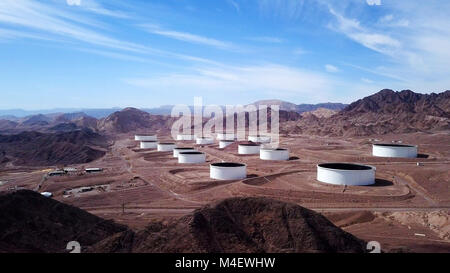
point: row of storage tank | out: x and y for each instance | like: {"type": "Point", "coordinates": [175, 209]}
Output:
{"type": "Point", "coordinates": [332, 173]}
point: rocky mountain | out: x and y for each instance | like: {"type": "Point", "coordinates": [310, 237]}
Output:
{"type": "Point", "coordinates": [320, 113]}
{"type": "Point", "coordinates": [384, 112]}
{"type": "Point", "coordinates": [300, 108]}
{"type": "Point", "coordinates": [252, 225]}
{"type": "Point", "coordinates": [30, 222]}
{"type": "Point", "coordinates": [134, 120]}
{"type": "Point", "coordinates": [42, 149]}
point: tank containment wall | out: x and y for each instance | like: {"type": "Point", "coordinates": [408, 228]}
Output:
{"type": "Point", "coordinates": [346, 174]}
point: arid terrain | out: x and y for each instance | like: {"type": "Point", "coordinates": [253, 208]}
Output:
{"type": "Point", "coordinates": [407, 210]}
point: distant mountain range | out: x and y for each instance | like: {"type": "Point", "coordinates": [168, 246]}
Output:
{"type": "Point", "coordinates": [18, 114]}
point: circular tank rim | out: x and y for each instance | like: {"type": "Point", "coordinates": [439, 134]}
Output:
{"type": "Point", "coordinates": [149, 141]}
{"type": "Point", "coordinates": [227, 165]}
{"type": "Point", "coordinates": [227, 140]}
{"type": "Point", "coordinates": [249, 145]}
{"type": "Point", "coordinates": [274, 149]}
{"type": "Point", "coordinates": [394, 145]}
{"type": "Point", "coordinates": [362, 167]}
{"type": "Point", "coordinates": [184, 148]}
{"type": "Point", "coordinates": [191, 153]}
{"type": "Point", "coordinates": [166, 143]}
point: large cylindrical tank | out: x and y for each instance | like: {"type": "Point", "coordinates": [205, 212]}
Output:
{"type": "Point", "coordinates": [226, 136]}
{"type": "Point", "coordinates": [260, 139]}
{"type": "Point", "coordinates": [185, 137]}
{"type": "Point", "coordinates": [148, 144]}
{"type": "Point", "coordinates": [248, 149]}
{"type": "Point", "coordinates": [166, 146]}
{"type": "Point", "coordinates": [191, 157]}
{"type": "Point", "coordinates": [182, 149]}
{"type": "Point", "coordinates": [204, 140]}
{"type": "Point", "coordinates": [394, 150]}
{"type": "Point", "coordinates": [225, 143]}
{"type": "Point", "coordinates": [228, 171]}
{"type": "Point", "coordinates": [145, 137]}
{"type": "Point", "coordinates": [274, 154]}
{"type": "Point", "coordinates": [346, 174]}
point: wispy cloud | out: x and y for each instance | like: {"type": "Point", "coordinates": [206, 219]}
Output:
{"type": "Point", "coordinates": [267, 39]}
{"type": "Point", "coordinates": [331, 68]}
{"type": "Point", "coordinates": [352, 28]}
{"type": "Point", "coordinates": [188, 37]}
{"type": "Point", "coordinates": [235, 5]}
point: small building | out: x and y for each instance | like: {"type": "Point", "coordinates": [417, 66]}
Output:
{"type": "Point", "coordinates": [93, 170]}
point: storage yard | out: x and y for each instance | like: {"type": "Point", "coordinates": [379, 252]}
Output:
{"type": "Point", "coordinates": [138, 184]}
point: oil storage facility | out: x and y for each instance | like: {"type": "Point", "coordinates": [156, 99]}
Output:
{"type": "Point", "coordinates": [149, 144]}
{"type": "Point", "coordinates": [145, 137]}
{"type": "Point", "coordinates": [204, 140]}
{"type": "Point", "coordinates": [176, 151]}
{"type": "Point", "coordinates": [274, 154]}
{"type": "Point", "coordinates": [394, 150]}
{"type": "Point", "coordinates": [346, 174]}
{"type": "Point", "coordinates": [248, 149]}
{"type": "Point", "coordinates": [191, 157]}
{"type": "Point", "coordinates": [227, 171]}
{"type": "Point", "coordinates": [259, 138]}
{"type": "Point", "coordinates": [224, 143]}
{"type": "Point", "coordinates": [166, 146]}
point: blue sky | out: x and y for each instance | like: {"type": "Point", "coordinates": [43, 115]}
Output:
{"type": "Point", "coordinates": [105, 53]}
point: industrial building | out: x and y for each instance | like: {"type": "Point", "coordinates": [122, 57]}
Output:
{"type": "Point", "coordinates": [93, 170]}
{"type": "Point", "coordinates": [274, 154]}
{"type": "Point", "coordinates": [248, 149]}
{"type": "Point", "coordinates": [176, 151]}
{"type": "Point", "coordinates": [346, 174]}
{"type": "Point", "coordinates": [191, 157]}
{"type": "Point", "coordinates": [145, 137]}
{"type": "Point", "coordinates": [166, 146]}
{"type": "Point", "coordinates": [228, 171]}
{"type": "Point", "coordinates": [149, 144]}
{"type": "Point", "coordinates": [394, 150]}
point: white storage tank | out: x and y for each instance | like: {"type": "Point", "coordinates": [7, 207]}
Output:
{"type": "Point", "coordinates": [182, 137]}
{"type": "Point", "coordinates": [274, 154]}
{"type": "Point", "coordinates": [226, 136]}
{"type": "Point", "coordinates": [225, 143]}
{"type": "Point", "coordinates": [227, 171]}
{"type": "Point", "coordinates": [394, 150]}
{"type": "Point", "coordinates": [145, 137]}
{"type": "Point", "coordinates": [191, 157]}
{"type": "Point", "coordinates": [346, 174]}
{"type": "Point", "coordinates": [248, 149]}
{"type": "Point", "coordinates": [259, 138]}
{"type": "Point", "coordinates": [149, 144]}
{"type": "Point", "coordinates": [182, 149]}
{"type": "Point", "coordinates": [166, 146]}
{"type": "Point", "coordinates": [204, 140]}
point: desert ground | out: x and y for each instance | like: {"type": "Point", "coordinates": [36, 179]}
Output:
{"type": "Point", "coordinates": [407, 210]}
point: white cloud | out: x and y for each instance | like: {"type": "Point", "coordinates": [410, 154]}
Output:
{"type": "Point", "coordinates": [235, 5]}
{"type": "Point", "coordinates": [73, 2]}
{"type": "Point", "coordinates": [373, 2]}
{"type": "Point", "coordinates": [352, 28]}
{"type": "Point", "coordinates": [264, 79]}
{"type": "Point", "coordinates": [331, 68]}
{"type": "Point", "coordinates": [188, 37]}
{"type": "Point", "coordinates": [266, 39]}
